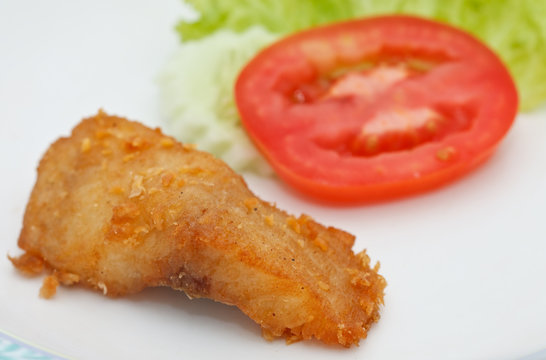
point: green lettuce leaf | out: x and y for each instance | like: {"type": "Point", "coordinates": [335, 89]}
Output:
{"type": "Point", "coordinates": [515, 29]}
{"type": "Point", "coordinates": [276, 16]}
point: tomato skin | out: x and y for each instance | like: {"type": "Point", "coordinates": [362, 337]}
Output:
{"type": "Point", "coordinates": [420, 105]}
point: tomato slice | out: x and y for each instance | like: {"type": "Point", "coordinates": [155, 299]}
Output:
{"type": "Point", "coordinates": [376, 108]}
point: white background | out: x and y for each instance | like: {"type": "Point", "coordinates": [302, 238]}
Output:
{"type": "Point", "coordinates": [465, 265]}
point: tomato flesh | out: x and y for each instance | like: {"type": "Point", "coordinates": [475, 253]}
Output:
{"type": "Point", "coordinates": [375, 108]}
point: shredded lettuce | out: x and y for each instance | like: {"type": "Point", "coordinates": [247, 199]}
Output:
{"type": "Point", "coordinates": [196, 94]}
{"type": "Point", "coordinates": [515, 29]}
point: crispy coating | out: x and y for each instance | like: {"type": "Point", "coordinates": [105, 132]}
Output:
{"type": "Point", "coordinates": [118, 207]}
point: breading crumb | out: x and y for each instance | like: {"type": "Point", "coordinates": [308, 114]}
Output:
{"type": "Point", "coordinates": [166, 142]}
{"type": "Point", "coordinates": [268, 335]}
{"type": "Point", "coordinates": [136, 187]}
{"type": "Point", "coordinates": [320, 244]}
{"type": "Point", "coordinates": [269, 220]}
{"type": "Point", "coordinates": [323, 285]}
{"type": "Point", "coordinates": [364, 258]}
{"type": "Point", "coordinates": [102, 286]}
{"type": "Point", "coordinates": [293, 339]}
{"type": "Point", "coordinates": [294, 224]}
{"type": "Point", "coordinates": [167, 178]}
{"type": "Point", "coordinates": [49, 287]}
{"type": "Point", "coordinates": [101, 134]}
{"type": "Point", "coordinates": [117, 190]}
{"type": "Point", "coordinates": [128, 157]}
{"type": "Point", "coordinates": [251, 203]}
{"type": "Point", "coordinates": [86, 145]}
{"type": "Point", "coordinates": [66, 278]}
{"type": "Point", "coordinates": [369, 308]}
{"type": "Point", "coordinates": [142, 229]}
{"type": "Point", "coordinates": [189, 146]}
{"type": "Point", "coordinates": [137, 143]}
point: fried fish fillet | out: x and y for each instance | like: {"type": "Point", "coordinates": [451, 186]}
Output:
{"type": "Point", "coordinates": [118, 207]}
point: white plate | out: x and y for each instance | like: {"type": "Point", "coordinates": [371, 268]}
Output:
{"type": "Point", "coordinates": [465, 265]}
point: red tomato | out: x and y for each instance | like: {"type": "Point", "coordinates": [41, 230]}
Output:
{"type": "Point", "coordinates": [376, 108]}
